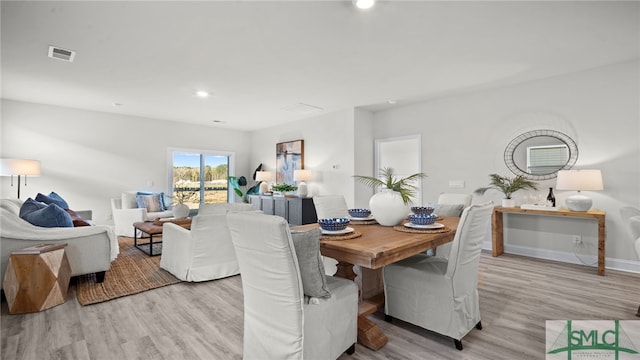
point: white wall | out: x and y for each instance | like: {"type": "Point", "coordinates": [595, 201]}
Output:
{"type": "Point", "coordinates": [89, 157]}
{"type": "Point", "coordinates": [464, 139]}
{"type": "Point", "coordinates": [328, 150]}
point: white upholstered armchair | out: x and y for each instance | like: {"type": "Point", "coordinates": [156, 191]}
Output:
{"type": "Point", "coordinates": [125, 212]}
{"type": "Point", "coordinates": [205, 252]}
{"type": "Point", "coordinates": [441, 294]}
{"type": "Point", "coordinates": [280, 322]}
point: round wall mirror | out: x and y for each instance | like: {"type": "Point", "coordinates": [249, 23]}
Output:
{"type": "Point", "coordinates": [539, 154]}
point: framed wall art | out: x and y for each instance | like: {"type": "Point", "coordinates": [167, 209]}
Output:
{"type": "Point", "coordinates": [289, 157]}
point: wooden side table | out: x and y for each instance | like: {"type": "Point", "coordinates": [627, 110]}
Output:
{"type": "Point", "coordinates": [37, 278]}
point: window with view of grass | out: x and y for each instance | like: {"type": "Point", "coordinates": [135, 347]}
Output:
{"type": "Point", "coordinates": [199, 177]}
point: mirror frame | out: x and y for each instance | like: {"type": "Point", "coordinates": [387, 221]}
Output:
{"type": "Point", "coordinates": [508, 153]}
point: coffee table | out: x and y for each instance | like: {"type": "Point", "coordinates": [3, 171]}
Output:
{"type": "Point", "coordinates": [152, 228]}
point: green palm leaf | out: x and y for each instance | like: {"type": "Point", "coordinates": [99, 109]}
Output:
{"type": "Point", "coordinates": [404, 186]}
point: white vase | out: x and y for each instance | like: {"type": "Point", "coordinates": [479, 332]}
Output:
{"type": "Point", "coordinates": [180, 211]}
{"type": "Point", "coordinates": [508, 203]}
{"type": "Point", "coordinates": [388, 208]}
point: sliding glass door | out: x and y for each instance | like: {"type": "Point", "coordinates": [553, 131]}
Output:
{"type": "Point", "coordinates": [199, 177]}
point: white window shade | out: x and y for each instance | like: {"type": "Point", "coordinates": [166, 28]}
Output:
{"type": "Point", "coordinates": [546, 159]}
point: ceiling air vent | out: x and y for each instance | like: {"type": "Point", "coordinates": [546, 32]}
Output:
{"type": "Point", "coordinates": [301, 108]}
{"type": "Point", "coordinates": [61, 54]}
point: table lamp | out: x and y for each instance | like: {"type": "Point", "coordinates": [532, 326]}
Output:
{"type": "Point", "coordinates": [579, 180]}
{"type": "Point", "coordinates": [263, 176]}
{"type": "Point", "coordinates": [10, 167]}
{"type": "Point", "coordinates": [302, 176]}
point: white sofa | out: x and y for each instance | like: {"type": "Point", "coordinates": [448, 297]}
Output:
{"type": "Point", "coordinates": [205, 252]}
{"type": "Point", "coordinates": [125, 212]}
{"type": "Point", "coordinates": [90, 249]}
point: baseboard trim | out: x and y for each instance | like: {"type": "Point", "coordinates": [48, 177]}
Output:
{"type": "Point", "coordinates": [569, 257]}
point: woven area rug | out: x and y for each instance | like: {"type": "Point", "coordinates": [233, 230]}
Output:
{"type": "Point", "coordinates": [131, 272]}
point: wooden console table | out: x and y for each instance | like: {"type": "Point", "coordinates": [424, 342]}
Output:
{"type": "Point", "coordinates": [497, 226]}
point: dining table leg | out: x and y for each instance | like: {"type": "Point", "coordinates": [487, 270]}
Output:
{"type": "Point", "coordinates": [369, 333]}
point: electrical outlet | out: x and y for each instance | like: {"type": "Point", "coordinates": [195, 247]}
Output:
{"type": "Point", "coordinates": [577, 239]}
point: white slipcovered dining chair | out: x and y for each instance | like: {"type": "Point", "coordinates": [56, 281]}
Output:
{"type": "Point", "coordinates": [631, 216]}
{"type": "Point", "coordinates": [441, 294]}
{"type": "Point", "coordinates": [280, 322]}
{"type": "Point", "coordinates": [330, 206]}
{"type": "Point", "coordinates": [450, 204]}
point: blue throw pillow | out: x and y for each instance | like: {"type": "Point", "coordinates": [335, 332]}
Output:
{"type": "Point", "coordinates": [55, 199]}
{"type": "Point", "coordinates": [50, 216]}
{"type": "Point", "coordinates": [161, 194]}
{"type": "Point", "coordinates": [30, 206]}
{"type": "Point", "coordinates": [59, 200]}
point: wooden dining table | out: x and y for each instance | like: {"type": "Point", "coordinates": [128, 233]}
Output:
{"type": "Point", "coordinates": [376, 247]}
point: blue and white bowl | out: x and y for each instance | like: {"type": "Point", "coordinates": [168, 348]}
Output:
{"type": "Point", "coordinates": [359, 213]}
{"type": "Point", "coordinates": [422, 209]}
{"type": "Point", "coordinates": [333, 224]}
{"type": "Point", "coordinates": [422, 219]}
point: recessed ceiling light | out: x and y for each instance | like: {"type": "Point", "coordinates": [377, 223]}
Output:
{"type": "Point", "coordinates": [202, 94]}
{"type": "Point", "coordinates": [392, 101]}
{"type": "Point", "coordinates": [364, 4]}
{"type": "Point", "coordinates": [116, 104]}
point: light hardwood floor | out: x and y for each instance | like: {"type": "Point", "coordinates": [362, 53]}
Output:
{"type": "Point", "coordinates": [204, 320]}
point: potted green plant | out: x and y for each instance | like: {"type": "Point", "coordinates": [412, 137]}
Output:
{"type": "Point", "coordinates": [507, 186]}
{"type": "Point", "coordinates": [391, 205]}
{"type": "Point", "coordinates": [283, 188]}
{"type": "Point", "coordinates": [240, 184]}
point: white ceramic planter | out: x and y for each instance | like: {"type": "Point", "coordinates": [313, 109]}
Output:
{"type": "Point", "coordinates": [388, 208]}
{"type": "Point", "coordinates": [508, 203]}
{"type": "Point", "coordinates": [180, 211]}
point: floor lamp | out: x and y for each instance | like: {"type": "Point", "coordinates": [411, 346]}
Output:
{"type": "Point", "coordinates": [19, 167]}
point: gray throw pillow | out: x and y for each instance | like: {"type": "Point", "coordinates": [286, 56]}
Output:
{"type": "Point", "coordinates": [307, 245]}
{"type": "Point", "coordinates": [446, 210]}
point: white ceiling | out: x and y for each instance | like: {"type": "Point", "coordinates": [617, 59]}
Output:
{"type": "Point", "coordinates": [260, 57]}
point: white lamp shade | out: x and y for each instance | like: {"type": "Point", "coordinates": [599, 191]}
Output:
{"type": "Point", "coordinates": [263, 175]}
{"type": "Point", "coordinates": [10, 167]}
{"type": "Point", "coordinates": [579, 180]}
{"type": "Point", "coordinates": [302, 175]}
